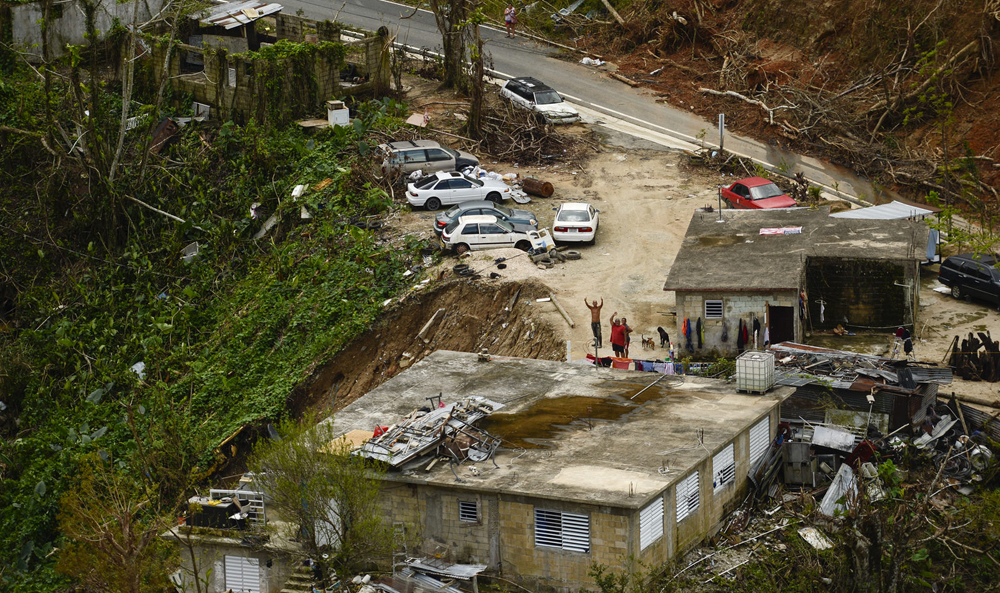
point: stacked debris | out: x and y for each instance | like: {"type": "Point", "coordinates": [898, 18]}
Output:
{"type": "Point", "coordinates": [890, 392]}
{"type": "Point", "coordinates": [444, 431]}
{"type": "Point", "coordinates": [972, 364]}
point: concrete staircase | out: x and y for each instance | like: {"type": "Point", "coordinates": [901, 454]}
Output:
{"type": "Point", "coordinates": [300, 581]}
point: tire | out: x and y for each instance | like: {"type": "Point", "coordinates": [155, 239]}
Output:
{"type": "Point", "coordinates": [432, 204]}
{"type": "Point", "coordinates": [956, 292]}
{"type": "Point", "coordinates": [494, 197]}
{"type": "Point", "coordinates": [522, 245]}
{"type": "Point", "coordinates": [461, 248]}
{"type": "Point", "coordinates": [572, 255]}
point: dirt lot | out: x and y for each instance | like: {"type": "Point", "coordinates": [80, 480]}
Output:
{"type": "Point", "coordinates": [646, 196]}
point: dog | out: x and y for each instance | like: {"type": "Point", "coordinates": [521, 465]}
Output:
{"type": "Point", "coordinates": [648, 343]}
{"type": "Point", "coordinates": [664, 337]}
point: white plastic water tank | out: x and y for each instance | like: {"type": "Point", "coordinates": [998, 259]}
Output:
{"type": "Point", "coordinates": [755, 371]}
{"type": "Point", "coordinates": [337, 113]}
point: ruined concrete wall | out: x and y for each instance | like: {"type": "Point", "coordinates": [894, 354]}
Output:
{"type": "Point", "coordinates": [209, 558]}
{"type": "Point", "coordinates": [735, 306]}
{"type": "Point", "coordinates": [234, 90]}
{"type": "Point", "coordinates": [67, 25]}
{"type": "Point", "coordinates": [866, 292]}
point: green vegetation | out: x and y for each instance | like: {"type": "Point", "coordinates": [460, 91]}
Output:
{"type": "Point", "coordinates": [94, 282]}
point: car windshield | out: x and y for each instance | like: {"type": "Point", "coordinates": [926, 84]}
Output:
{"type": "Point", "coordinates": [453, 153]}
{"type": "Point", "coordinates": [452, 226]}
{"type": "Point", "coordinates": [505, 225]}
{"type": "Point", "coordinates": [547, 98]}
{"type": "Point", "coordinates": [573, 216]}
{"type": "Point", "coordinates": [426, 182]}
{"type": "Point", "coordinates": [763, 192]}
{"type": "Point", "coordinates": [453, 211]}
{"type": "Point", "coordinates": [504, 210]}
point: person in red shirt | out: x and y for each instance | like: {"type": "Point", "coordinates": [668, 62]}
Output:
{"type": "Point", "coordinates": [617, 335]}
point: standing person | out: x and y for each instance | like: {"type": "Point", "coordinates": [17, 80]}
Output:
{"type": "Point", "coordinates": [510, 19]}
{"type": "Point", "coordinates": [595, 320]}
{"type": "Point", "coordinates": [628, 335]}
{"type": "Point", "coordinates": [617, 336]}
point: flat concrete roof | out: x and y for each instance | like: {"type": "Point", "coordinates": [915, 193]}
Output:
{"type": "Point", "coordinates": [645, 444]}
{"type": "Point", "coordinates": [734, 255]}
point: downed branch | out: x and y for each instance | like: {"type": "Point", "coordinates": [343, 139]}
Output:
{"type": "Point", "coordinates": [770, 111]}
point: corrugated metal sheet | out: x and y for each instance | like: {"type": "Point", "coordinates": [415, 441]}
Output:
{"type": "Point", "coordinates": [231, 16]}
{"type": "Point", "coordinates": [892, 211]}
{"type": "Point", "coordinates": [980, 420]}
{"type": "Point", "coordinates": [941, 376]}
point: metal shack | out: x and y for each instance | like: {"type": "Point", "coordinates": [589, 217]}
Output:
{"type": "Point", "coordinates": [594, 465]}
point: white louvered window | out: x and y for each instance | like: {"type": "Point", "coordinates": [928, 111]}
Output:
{"type": "Point", "coordinates": [242, 574]}
{"type": "Point", "coordinates": [567, 531]}
{"type": "Point", "coordinates": [723, 468]}
{"type": "Point", "coordinates": [713, 309]}
{"type": "Point", "coordinates": [760, 439]}
{"type": "Point", "coordinates": [468, 511]}
{"type": "Point", "coordinates": [688, 497]}
{"type": "Point", "coordinates": [650, 523]}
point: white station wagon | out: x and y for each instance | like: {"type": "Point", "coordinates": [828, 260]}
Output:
{"type": "Point", "coordinates": [485, 232]}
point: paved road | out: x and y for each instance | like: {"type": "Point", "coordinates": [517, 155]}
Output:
{"type": "Point", "coordinates": [603, 97]}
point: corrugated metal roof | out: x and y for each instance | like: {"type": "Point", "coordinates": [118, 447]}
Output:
{"type": "Point", "coordinates": [231, 16]}
{"type": "Point", "coordinates": [892, 211]}
{"type": "Point", "coordinates": [941, 376]}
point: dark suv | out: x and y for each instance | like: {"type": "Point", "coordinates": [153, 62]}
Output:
{"type": "Point", "coordinates": [972, 275]}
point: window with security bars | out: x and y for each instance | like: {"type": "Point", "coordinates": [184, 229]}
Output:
{"type": "Point", "coordinates": [688, 497]}
{"type": "Point", "coordinates": [650, 523]}
{"type": "Point", "coordinates": [724, 468]}
{"type": "Point", "coordinates": [713, 309]}
{"type": "Point", "coordinates": [567, 531]}
{"type": "Point", "coordinates": [468, 511]}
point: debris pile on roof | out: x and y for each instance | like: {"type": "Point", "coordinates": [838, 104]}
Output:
{"type": "Point", "coordinates": [442, 429]}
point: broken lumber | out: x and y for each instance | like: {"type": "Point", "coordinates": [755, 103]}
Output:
{"type": "Point", "coordinates": [613, 12]}
{"type": "Point", "coordinates": [428, 325]}
{"type": "Point", "coordinates": [561, 310]}
{"type": "Point", "coordinates": [627, 81]}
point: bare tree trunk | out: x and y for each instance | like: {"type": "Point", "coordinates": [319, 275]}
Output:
{"type": "Point", "coordinates": [475, 130]}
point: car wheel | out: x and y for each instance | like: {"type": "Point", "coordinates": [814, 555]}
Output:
{"type": "Point", "coordinates": [432, 204]}
{"type": "Point", "coordinates": [461, 248]}
{"type": "Point", "coordinates": [494, 197]}
{"type": "Point", "coordinates": [523, 245]}
{"type": "Point", "coordinates": [956, 292]}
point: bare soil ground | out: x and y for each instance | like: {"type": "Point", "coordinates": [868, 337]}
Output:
{"type": "Point", "coordinates": [646, 198]}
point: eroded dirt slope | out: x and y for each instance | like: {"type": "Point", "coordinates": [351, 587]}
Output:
{"type": "Point", "coordinates": [475, 315]}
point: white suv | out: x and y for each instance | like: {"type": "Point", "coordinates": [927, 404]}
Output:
{"type": "Point", "coordinates": [485, 232]}
{"type": "Point", "coordinates": [533, 94]}
{"type": "Point", "coordinates": [423, 155]}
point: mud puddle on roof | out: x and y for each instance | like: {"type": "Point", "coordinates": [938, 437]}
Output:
{"type": "Point", "coordinates": [535, 426]}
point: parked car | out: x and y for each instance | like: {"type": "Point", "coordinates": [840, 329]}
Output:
{"type": "Point", "coordinates": [452, 187]}
{"type": "Point", "coordinates": [971, 275]}
{"type": "Point", "coordinates": [576, 221]}
{"type": "Point", "coordinates": [480, 207]}
{"type": "Point", "coordinates": [408, 156]}
{"type": "Point", "coordinates": [484, 232]}
{"type": "Point", "coordinates": [756, 192]}
{"type": "Point", "coordinates": [533, 94]}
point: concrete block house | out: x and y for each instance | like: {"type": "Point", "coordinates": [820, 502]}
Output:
{"type": "Point", "coordinates": [592, 468]}
{"type": "Point", "coordinates": [792, 271]}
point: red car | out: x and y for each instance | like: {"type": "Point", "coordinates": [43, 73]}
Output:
{"type": "Point", "coordinates": [756, 192]}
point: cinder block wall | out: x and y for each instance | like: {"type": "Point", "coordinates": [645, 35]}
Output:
{"type": "Point", "coordinates": [735, 305]}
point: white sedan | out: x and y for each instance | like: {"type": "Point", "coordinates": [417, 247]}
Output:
{"type": "Point", "coordinates": [576, 222]}
{"type": "Point", "coordinates": [452, 187]}
{"type": "Point", "coordinates": [485, 232]}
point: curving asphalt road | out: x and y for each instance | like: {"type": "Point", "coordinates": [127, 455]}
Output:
{"type": "Point", "coordinates": [602, 97]}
